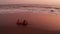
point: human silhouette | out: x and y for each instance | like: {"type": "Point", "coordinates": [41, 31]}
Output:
{"type": "Point", "coordinates": [18, 23]}
{"type": "Point", "coordinates": [24, 23]}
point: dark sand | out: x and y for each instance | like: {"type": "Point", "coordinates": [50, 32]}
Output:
{"type": "Point", "coordinates": [25, 30]}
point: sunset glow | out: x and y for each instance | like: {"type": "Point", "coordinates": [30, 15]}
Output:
{"type": "Point", "coordinates": [29, 16]}
{"type": "Point", "coordinates": [51, 2]}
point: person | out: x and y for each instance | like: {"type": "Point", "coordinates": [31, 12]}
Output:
{"type": "Point", "coordinates": [18, 23]}
{"type": "Point", "coordinates": [24, 23]}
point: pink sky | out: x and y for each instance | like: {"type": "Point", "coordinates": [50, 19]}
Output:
{"type": "Point", "coordinates": [55, 2]}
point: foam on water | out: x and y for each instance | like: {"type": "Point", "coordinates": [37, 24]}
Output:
{"type": "Point", "coordinates": [30, 9]}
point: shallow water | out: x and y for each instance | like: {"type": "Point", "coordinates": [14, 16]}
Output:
{"type": "Point", "coordinates": [38, 20]}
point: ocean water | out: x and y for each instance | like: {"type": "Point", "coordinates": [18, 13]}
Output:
{"type": "Point", "coordinates": [29, 9]}
{"type": "Point", "coordinates": [40, 20]}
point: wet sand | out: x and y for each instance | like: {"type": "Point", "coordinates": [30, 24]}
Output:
{"type": "Point", "coordinates": [38, 23]}
{"type": "Point", "coordinates": [25, 30]}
